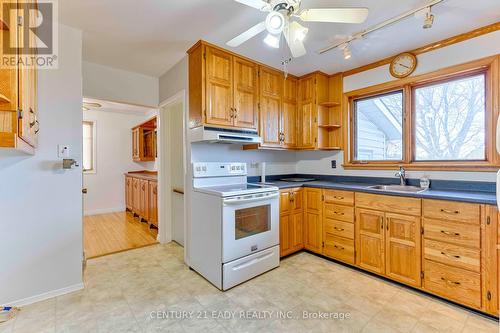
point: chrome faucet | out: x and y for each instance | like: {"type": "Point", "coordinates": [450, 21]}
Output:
{"type": "Point", "coordinates": [402, 176]}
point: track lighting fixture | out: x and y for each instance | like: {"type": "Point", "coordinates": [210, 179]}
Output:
{"type": "Point", "coordinates": [347, 51]}
{"type": "Point", "coordinates": [429, 19]}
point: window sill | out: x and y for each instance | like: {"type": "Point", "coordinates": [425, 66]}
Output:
{"type": "Point", "coordinates": [421, 166]}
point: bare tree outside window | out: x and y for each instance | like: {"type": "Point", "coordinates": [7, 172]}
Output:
{"type": "Point", "coordinates": [450, 120]}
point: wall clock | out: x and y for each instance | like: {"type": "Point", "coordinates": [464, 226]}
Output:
{"type": "Point", "coordinates": [403, 65]}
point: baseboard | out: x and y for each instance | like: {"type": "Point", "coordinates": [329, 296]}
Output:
{"type": "Point", "coordinates": [103, 211]}
{"type": "Point", "coordinates": [47, 295]}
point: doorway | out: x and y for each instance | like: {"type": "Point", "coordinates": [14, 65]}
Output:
{"type": "Point", "coordinates": [172, 169]}
{"type": "Point", "coordinates": [120, 177]}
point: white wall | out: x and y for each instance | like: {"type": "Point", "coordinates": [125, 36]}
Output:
{"type": "Point", "coordinates": [116, 85]}
{"type": "Point", "coordinates": [175, 80]}
{"type": "Point", "coordinates": [106, 189]}
{"type": "Point", "coordinates": [472, 49]}
{"type": "Point", "coordinates": [41, 204]}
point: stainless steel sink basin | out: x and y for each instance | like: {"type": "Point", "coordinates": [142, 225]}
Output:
{"type": "Point", "coordinates": [398, 188]}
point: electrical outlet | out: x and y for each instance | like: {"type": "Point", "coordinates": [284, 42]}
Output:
{"type": "Point", "coordinates": [334, 164]}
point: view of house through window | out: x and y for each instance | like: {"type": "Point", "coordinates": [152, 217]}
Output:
{"type": "Point", "coordinates": [88, 146]}
{"type": "Point", "coordinates": [450, 120]}
{"type": "Point", "coordinates": [379, 128]}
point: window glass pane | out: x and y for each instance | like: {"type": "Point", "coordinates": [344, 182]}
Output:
{"type": "Point", "coordinates": [88, 146]}
{"type": "Point", "coordinates": [450, 120]}
{"type": "Point", "coordinates": [379, 128]}
{"type": "Point", "coordinates": [252, 221]}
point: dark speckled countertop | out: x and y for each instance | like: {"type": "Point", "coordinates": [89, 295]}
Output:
{"type": "Point", "coordinates": [445, 190]}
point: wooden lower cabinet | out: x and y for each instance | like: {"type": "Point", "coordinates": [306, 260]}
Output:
{"type": "Point", "coordinates": [313, 233]}
{"type": "Point", "coordinates": [141, 196]}
{"type": "Point", "coordinates": [370, 240]}
{"type": "Point", "coordinates": [291, 221]}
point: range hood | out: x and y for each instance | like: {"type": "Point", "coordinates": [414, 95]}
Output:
{"type": "Point", "coordinates": [223, 135]}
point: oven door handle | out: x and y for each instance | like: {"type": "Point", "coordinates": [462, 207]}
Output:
{"type": "Point", "coordinates": [251, 199]}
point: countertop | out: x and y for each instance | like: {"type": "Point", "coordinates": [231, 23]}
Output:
{"type": "Point", "coordinates": [452, 195]}
{"type": "Point", "coordinates": [147, 175]}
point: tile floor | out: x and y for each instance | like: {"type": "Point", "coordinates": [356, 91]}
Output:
{"type": "Point", "coordinates": [124, 291]}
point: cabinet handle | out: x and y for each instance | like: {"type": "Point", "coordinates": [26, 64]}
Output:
{"type": "Point", "coordinates": [449, 211]}
{"type": "Point", "coordinates": [450, 256]}
{"type": "Point", "coordinates": [387, 224]}
{"type": "Point", "coordinates": [337, 213]}
{"type": "Point", "coordinates": [448, 233]}
{"type": "Point", "coordinates": [235, 113]}
{"type": "Point", "coordinates": [381, 223]}
{"type": "Point", "coordinates": [338, 198]}
{"type": "Point", "coordinates": [143, 187]}
{"type": "Point", "coordinates": [38, 127]}
{"type": "Point", "coordinates": [338, 229]}
{"type": "Point", "coordinates": [450, 282]}
{"type": "Point", "coordinates": [339, 247]}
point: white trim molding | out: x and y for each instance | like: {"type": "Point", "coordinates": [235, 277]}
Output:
{"type": "Point", "coordinates": [47, 295]}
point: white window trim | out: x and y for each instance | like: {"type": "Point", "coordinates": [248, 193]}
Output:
{"type": "Point", "coordinates": [94, 148]}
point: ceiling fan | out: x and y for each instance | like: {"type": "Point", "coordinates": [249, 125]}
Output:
{"type": "Point", "coordinates": [280, 20]}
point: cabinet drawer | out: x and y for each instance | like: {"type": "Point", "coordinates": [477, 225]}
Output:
{"type": "Point", "coordinates": [339, 197]}
{"type": "Point", "coordinates": [339, 212]}
{"type": "Point", "coordinates": [454, 283]}
{"type": "Point", "coordinates": [407, 206]}
{"type": "Point", "coordinates": [454, 211]}
{"type": "Point", "coordinates": [453, 255]}
{"type": "Point", "coordinates": [339, 228]}
{"type": "Point", "coordinates": [339, 248]}
{"type": "Point", "coordinates": [452, 232]}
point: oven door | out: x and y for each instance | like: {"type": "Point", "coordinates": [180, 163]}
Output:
{"type": "Point", "coordinates": [250, 224]}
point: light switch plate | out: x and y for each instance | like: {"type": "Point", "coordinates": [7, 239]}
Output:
{"type": "Point", "coordinates": [63, 151]}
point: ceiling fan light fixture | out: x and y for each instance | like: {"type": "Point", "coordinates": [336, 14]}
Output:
{"type": "Point", "coordinates": [275, 22]}
{"type": "Point", "coordinates": [272, 41]}
{"type": "Point", "coordinates": [298, 31]}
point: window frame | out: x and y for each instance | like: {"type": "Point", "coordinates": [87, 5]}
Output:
{"type": "Point", "coordinates": [94, 147]}
{"type": "Point", "coordinates": [491, 69]}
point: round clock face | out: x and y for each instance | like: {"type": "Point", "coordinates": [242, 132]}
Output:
{"type": "Point", "coordinates": [403, 65]}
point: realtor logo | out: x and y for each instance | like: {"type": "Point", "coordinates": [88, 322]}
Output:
{"type": "Point", "coordinates": [29, 34]}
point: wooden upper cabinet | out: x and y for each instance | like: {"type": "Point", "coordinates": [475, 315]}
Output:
{"type": "Point", "coordinates": [307, 117]}
{"type": "Point", "coordinates": [144, 141]}
{"type": "Point", "coordinates": [289, 113]}
{"type": "Point", "coordinates": [219, 81]}
{"type": "Point", "coordinates": [270, 107]}
{"type": "Point", "coordinates": [246, 93]}
{"type": "Point", "coordinates": [402, 249]}
{"type": "Point", "coordinates": [370, 240]}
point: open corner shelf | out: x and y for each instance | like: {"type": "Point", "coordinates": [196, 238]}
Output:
{"type": "Point", "coordinates": [328, 127]}
{"type": "Point", "coordinates": [329, 104]}
{"type": "Point", "coordinates": [4, 99]}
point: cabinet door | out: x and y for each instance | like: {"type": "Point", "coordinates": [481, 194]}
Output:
{"type": "Point", "coordinates": [219, 87]}
{"type": "Point", "coordinates": [8, 75]}
{"type": "Point", "coordinates": [313, 231]}
{"type": "Point", "coordinates": [246, 94]}
{"type": "Point", "coordinates": [153, 203]}
{"type": "Point", "coordinates": [289, 113]}
{"type": "Point", "coordinates": [296, 234]}
{"type": "Point", "coordinates": [297, 200]}
{"type": "Point", "coordinates": [270, 107]}
{"type": "Point", "coordinates": [402, 248]}
{"type": "Point", "coordinates": [490, 257]}
{"type": "Point", "coordinates": [128, 193]}
{"type": "Point", "coordinates": [135, 144]}
{"type": "Point", "coordinates": [144, 192]}
{"type": "Point", "coordinates": [285, 245]}
{"type": "Point", "coordinates": [307, 113]}
{"type": "Point", "coordinates": [370, 240]}
{"type": "Point", "coordinates": [285, 201]}
{"type": "Point", "coordinates": [136, 196]}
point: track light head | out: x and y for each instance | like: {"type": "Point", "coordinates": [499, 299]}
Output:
{"type": "Point", "coordinates": [428, 20]}
{"type": "Point", "coordinates": [347, 51]}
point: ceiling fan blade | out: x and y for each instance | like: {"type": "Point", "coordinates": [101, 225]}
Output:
{"type": "Point", "coordinates": [296, 45]}
{"type": "Point", "coordinates": [257, 4]}
{"type": "Point", "coordinates": [243, 37]}
{"type": "Point", "coordinates": [337, 15]}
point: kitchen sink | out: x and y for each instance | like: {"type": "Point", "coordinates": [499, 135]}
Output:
{"type": "Point", "coordinates": [398, 188]}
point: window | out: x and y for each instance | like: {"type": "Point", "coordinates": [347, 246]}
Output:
{"type": "Point", "coordinates": [450, 120]}
{"type": "Point", "coordinates": [379, 128]}
{"type": "Point", "coordinates": [434, 121]}
{"type": "Point", "coordinates": [88, 146]}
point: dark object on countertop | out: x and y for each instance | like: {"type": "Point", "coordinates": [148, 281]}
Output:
{"type": "Point", "coordinates": [298, 180]}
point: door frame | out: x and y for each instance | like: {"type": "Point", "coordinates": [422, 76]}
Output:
{"type": "Point", "coordinates": [165, 223]}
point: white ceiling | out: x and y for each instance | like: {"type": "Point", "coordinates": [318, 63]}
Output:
{"type": "Point", "coordinates": [150, 36]}
{"type": "Point", "coordinates": [107, 106]}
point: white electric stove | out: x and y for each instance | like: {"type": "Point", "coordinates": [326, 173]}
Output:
{"type": "Point", "coordinates": [235, 225]}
